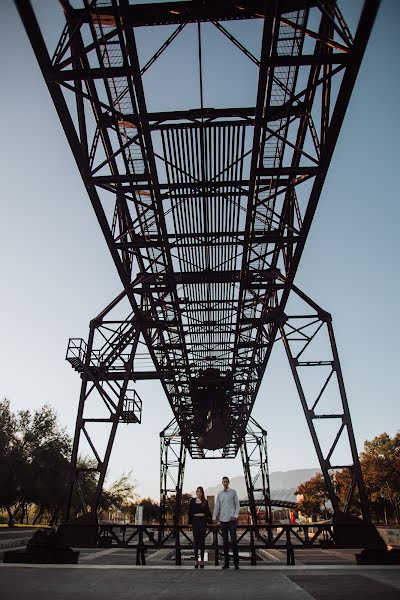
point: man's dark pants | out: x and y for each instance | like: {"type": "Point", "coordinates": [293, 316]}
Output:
{"type": "Point", "coordinates": [231, 527]}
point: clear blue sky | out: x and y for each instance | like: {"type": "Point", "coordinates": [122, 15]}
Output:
{"type": "Point", "coordinates": [56, 272]}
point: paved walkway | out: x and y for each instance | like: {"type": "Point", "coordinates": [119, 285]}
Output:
{"type": "Point", "coordinates": [88, 581]}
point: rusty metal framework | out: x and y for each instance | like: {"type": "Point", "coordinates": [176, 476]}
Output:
{"type": "Point", "coordinates": [255, 467]}
{"type": "Point", "coordinates": [205, 210]}
{"type": "Point", "coordinates": [256, 474]}
{"type": "Point", "coordinates": [307, 334]}
{"type": "Point", "coordinates": [172, 472]}
{"type": "Point", "coordinates": [108, 363]}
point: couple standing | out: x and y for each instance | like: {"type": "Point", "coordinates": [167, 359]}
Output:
{"type": "Point", "coordinates": [227, 508]}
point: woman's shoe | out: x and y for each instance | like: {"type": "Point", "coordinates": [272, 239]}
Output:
{"type": "Point", "coordinates": [196, 565]}
{"type": "Point", "coordinates": [202, 565]}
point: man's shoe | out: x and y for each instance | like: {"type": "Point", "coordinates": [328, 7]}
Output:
{"type": "Point", "coordinates": [236, 567]}
{"type": "Point", "coordinates": [225, 566]}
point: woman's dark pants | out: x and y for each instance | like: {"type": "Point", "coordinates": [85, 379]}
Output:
{"type": "Point", "coordinates": [199, 528]}
{"type": "Point", "coordinates": [231, 527]}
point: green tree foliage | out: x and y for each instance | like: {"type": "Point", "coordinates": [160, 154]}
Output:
{"type": "Point", "coordinates": [380, 465]}
{"type": "Point", "coordinates": [87, 485]}
{"type": "Point", "coordinates": [186, 498]}
{"type": "Point", "coordinates": [34, 454]}
{"type": "Point", "coordinates": [10, 459]}
{"type": "Point", "coordinates": [121, 494]}
{"type": "Point", "coordinates": [46, 450]}
{"type": "Point", "coordinates": [185, 501]}
{"type": "Point", "coordinates": [171, 505]}
{"type": "Point", "coordinates": [35, 466]}
{"type": "Point", "coordinates": [151, 510]}
{"type": "Point", "coordinates": [314, 497]}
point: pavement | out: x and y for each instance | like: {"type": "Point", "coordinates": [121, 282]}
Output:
{"type": "Point", "coordinates": [112, 574]}
{"type": "Point", "coordinates": [14, 539]}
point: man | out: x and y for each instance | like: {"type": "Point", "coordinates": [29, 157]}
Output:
{"type": "Point", "coordinates": [227, 507]}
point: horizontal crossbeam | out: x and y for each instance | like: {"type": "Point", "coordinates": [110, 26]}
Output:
{"type": "Point", "coordinates": [174, 13]}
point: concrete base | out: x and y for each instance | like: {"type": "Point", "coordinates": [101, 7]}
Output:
{"type": "Point", "coordinates": [79, 533]}
{"type": "Point", "coordinates": [390, 535]}
{"type": "Point", "coordinates": [64, 556]}
{"type": "Point", "coordinates": [351, 532]}
{"type": "Point", "coordinates": [378, 557]}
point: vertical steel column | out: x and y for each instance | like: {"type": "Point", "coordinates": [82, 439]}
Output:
{"type": "Point", "coordinates": [172, 471]}
{"type": "Point", "coordinates": [247, 477]}
{"type": "Point", "coordinates": [301, 333]}
{"type": "Point", "coordinates": [255, 466]}
{"type": "Point", "coordinates": [115, 420]}
{"type": "Point", "coordinates": [74, 473]}
{"type": "Point", "coordinates": [103, 373]}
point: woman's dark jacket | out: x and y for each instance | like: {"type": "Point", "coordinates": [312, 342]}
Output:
{"type": "Point", "coordinates": [198, 508]}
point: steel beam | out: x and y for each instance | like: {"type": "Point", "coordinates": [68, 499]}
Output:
{"type": "Point", "coordinates": [171, 13]}
{"type": "Point", "coordinates": [303, 337]}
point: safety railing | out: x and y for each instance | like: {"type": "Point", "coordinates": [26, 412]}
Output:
{"type": "Point", "coordinates": [76, 353]}
{"type": "Point", "coordinates": [132, 407]}
{"type": "Point", "coordinates": [250, 539]}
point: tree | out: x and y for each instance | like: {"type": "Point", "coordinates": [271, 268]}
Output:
{"type": "Point", "coordinates": [151, 509]}
{"type": "Point", "coordinates": [34, 453]}
{"type": "Point", "coordinates": [12, 461]}
{"type": "Point", "coordinates": [313, 496]}
{"type": "Point", "coordinates": [81, 500]}
{"type": "Point", "coordinates": [380, 466]}
{"type": "Point", "coordinates": [343, 480]}
{"type": "Point", "coordinates": [185, 501]}
{"type": "Point", "coordinates": [380, 463]}
{"type": "Point", "coordinates": [8, 427]}
{"type": "Point", "coordinates": [186, 498]}
{"type": "Point", "coordinates": [46, 448]}
{"type": "Point", "coordinates": [35, 466]}
{"type": "Point", "coordinates": [50, 469]}
{"type": "Point", "coordinates": [121, 494]}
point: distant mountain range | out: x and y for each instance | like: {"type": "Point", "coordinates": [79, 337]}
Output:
{"type": "Point", "coordinates": [283, 484]}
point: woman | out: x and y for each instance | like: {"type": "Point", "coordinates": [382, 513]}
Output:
{"type": "Point", "coordinates": [199, 516]}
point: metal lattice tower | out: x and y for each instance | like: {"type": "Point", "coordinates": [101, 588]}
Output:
{"type": "Point", "coordinates": [172, 462]}
{"type": "Point", "coordinates": [256, 473]}
{"type": "Point", "coordinates": [255, 467]}
{"type": "Point", "coordinates": [206, 210]}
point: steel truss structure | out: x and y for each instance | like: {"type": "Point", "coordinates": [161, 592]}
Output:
{"type": "Point", "coordinates": [255, 467]}
{"type": "Point", "coordinates": [256, 474]}
{"type": "Point", "coordinates": [172, 472]}
{"type": "Point", "coordinates": [305, 335]}
{"type": "Point", "coordinates": [206, 210]}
